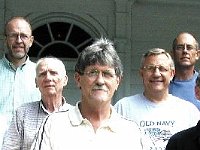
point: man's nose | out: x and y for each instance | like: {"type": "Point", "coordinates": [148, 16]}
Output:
{"type": "Point", "coordinates": [18, 38]}
{"type": "Point", "coordinates": [100, 78]}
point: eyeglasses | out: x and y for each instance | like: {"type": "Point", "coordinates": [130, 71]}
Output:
{"type": "Point", "coordinates": [152, 68]}
{"type": "Point", "coordinates": [94, 73]}
{"type": "Point", "coordinates": [14, 36]}
{"type": "Point", "coordinates": [182, 47]}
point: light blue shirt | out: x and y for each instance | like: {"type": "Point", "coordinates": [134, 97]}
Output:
{"type": "Point", "coordinates": [185, 89]}
{"type": "Point", "coordinates": [17, 86]}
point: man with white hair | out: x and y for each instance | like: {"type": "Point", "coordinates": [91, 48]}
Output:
{"type": "Point", "coordinates": [50, 79]}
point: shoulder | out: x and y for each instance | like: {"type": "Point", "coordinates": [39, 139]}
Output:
{"type": "Point", "coordinates": [120, 122]}
{"type": "Point", "coordinates": [185, 134]}
{"type": "Point", "coordinates": [60, 115]}
{"type": "Point", "coordinates": [184, 105]}
{"type": "Point", "coordinates": [185, 139]}
{"type": "Point", "coordinates": [128, 106]}
{"type": "Point", "coordinates": [28, 106]}
{"type": "Point", "coordinates": [129, 99]}
{"type": "Point", "coordinates": [181, 140]}
{"type": "Point", "coordinates": [180, 101]}
{"type": "Point", "coordinates": [3, 62]}
{"type": "Point", "coordinates": [30, 63]}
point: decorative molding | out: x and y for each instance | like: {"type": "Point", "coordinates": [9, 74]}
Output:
{"type": "Point", "coordinates": [174, 2]}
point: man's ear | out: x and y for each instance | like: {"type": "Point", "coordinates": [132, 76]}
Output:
{"type": "Point", "coordinates": [141, 72]}
{"type": "Point", "coordinates": [197, 92]}
{"type": "Point", "coordinates": [65, 80]}
{"type": "Point", "coordinates": [31, 41]}
{"type": "Point", "coordinates": [171, 52]}
{"type": "Point", "coordinates": [77, 80]}
{"type": "Point", "coordinates": [172, 74]}
{"type": "Point", "coordinates": [198, 55]}
{"type": "Point", "coordinates": [36, 83]}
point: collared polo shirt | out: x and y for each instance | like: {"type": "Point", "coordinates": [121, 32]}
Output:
{"type": "Point", "coordinates": [69, 130]}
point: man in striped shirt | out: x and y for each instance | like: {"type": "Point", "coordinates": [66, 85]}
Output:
{"type": "Point", "coordinates": [50, 78]}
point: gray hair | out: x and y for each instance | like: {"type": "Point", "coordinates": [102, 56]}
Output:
{"type": "Point", "coordinates": [157, 51]}
{"type": "Point", "coordinates": [57, 61]}
{"type": "Point", "coordinates": [100, 52]}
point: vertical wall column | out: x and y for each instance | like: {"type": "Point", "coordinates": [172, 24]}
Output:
{"type": "Point", "coordinates": [2, 21]}
{"type": "Point", "coordinates": [123, 44]}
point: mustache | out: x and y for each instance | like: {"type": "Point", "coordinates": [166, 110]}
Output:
{"type": "Point", "coordinates": [99, 87]}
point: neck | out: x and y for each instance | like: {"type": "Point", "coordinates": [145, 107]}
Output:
{"type": "Point", "coordinates": [184, 74]}
{"type": "Point", "coordinates": [16, 62]}
{"type": "Point", "coordinates": [95, 115]}
{"type": "Point", "coordinates": [156, 97]}
{"type": "Point", "coordinates": [52, 103]}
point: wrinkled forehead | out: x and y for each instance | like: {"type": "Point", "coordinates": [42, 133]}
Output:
{"type": "Point", "coordinates": [157, 59]}
{"type": "Point", "coordinates": [50, 64]}
{"type": "Point", "coordinates": [99, 66]}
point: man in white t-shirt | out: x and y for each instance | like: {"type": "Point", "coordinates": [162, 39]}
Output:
{"type": "Point", "coordinates": [158, 113]}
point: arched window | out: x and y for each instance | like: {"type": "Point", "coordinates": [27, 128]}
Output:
{"type": "Point", "coordinates": [59, 39]}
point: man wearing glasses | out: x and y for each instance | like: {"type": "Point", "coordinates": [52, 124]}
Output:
{"type": "Point", "coordinates": [93, 123]}
{"type": "Point", "coordinates": [158, 113]}
{"type": "Point", "coordinates": [188, 139]}
{"type": "Point", "coordinates": [17, 75]}
{"type": "Point", "coordinates": [185, 54]}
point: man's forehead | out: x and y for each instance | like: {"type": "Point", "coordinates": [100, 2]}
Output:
{"type": "Point", "coordinates": [18, 25]}
{"type": "Point", "coordinates": [99, 66]}
{"type": "Point", "coordinates": [157, 58]}
{"type": "Point", "coordinates": [185, 39]}
{"type": "Point", "coordinates": [48, 64]}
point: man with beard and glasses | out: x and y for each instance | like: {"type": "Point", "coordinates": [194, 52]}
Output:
{"type": "Point", "coordinates": [92, 123]}
{"type": "Point", "coordinates": [17, 72]}
{"type": "Point", "coordinates": [185, 53]}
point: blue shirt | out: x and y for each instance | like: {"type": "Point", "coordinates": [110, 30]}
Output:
{"type": "Point", "coordinates": [185, 89]}
{"type": "Point", "coordinates": [17, 86]}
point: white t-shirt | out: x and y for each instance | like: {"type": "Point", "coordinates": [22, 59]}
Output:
{"type": "Point", "coordinates": [158, 121]}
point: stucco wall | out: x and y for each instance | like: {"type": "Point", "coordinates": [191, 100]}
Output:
{"type": "Point", "coordinates": [134, 25]}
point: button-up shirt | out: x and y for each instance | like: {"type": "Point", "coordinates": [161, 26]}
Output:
{"type": "Point", "coordinates": [17, 86]}
{"type": "Point", "coordinates": [25, 124]}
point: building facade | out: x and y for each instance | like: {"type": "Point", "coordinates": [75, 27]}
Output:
{"type": "Point", "coordinates": [64, 27]}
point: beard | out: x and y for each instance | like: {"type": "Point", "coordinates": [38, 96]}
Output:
{"type": "Point", "coordinates": [18, 55]}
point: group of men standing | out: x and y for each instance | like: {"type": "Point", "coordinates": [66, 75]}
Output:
{"type": "Point", "coordinates": [34, 114]}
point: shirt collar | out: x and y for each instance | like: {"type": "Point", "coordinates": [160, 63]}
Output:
{"type": "Point", "coordinates": [112, 123]}
{"type": "Point", "coordinates": [11, 65]}
{"type": "Point", "coordinates": [192, 78]}
{"type": "Point", "coordinates": [65, 106]}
